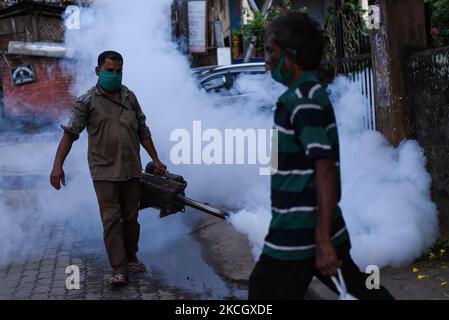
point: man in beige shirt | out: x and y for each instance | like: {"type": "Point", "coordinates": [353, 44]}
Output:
{"type": "Point", "coordinates": [116, 128]}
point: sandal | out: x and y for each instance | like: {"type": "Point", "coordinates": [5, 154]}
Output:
{"type": "Point", "coordinates": [136, 267]}
{"type": "Point", "coordinates": [118, 280]}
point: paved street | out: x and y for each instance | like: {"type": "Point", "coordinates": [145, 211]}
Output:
{"type": "Point", "coordinates": [36, 269]}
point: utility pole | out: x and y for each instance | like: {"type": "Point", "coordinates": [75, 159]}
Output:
{"type": "Point", "coordinates": [401, 32]}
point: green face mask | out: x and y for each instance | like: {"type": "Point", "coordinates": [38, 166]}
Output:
{"type": "Point", "coordinates": [110, 81]}
{"type": "Point", "coordinates": [277, 74]}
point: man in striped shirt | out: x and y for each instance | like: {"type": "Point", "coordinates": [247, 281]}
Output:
{"type": "Point", "coordinates": [307, 235]}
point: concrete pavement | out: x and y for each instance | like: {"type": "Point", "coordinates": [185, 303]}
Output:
{"type": "Point", "coordinates": [229, 253]}
{"type": "Point", "coordinates": [38, 268]}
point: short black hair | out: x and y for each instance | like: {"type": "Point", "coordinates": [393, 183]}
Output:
{"type": "Point", "coordinates": [297, 31]}
{"type": "Point", "coordinates": [114, 55]}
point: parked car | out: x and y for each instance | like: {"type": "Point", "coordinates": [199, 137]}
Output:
{"type": "Point", "coordinates": [238, 84]}
{"type": "Point", "coordinates": [221, 79]}
{"type": "Point", "coordinates": [199, 71]}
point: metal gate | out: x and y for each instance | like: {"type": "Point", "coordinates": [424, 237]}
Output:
{"type": "Point", "coordinates": [348, 51]}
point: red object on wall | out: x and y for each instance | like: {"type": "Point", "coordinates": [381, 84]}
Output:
{"type": "Point", "coordinates": [49, 96]}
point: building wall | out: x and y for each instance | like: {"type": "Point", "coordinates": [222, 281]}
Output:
{"type": "Point", "coordinates": [29, 27]}
{"type": "Point", "coordinates": [428, 92]}
{"type": "Point", "coordinates": [16, 28]}
{"type": "Point", "coordinates": [216, 9]}
{"type": "Point", "coordinates": [49, 96]}
{"type": "Point", "coordinates": [7, 3]}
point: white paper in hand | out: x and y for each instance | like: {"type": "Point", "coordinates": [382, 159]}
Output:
{"type": "Point", "coordinates": [341, 287]}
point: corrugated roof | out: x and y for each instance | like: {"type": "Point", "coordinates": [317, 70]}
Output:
{"type": "Point", "coordinates": [12, 8]}
{"type": "Point", "coordinates": [8, 3]}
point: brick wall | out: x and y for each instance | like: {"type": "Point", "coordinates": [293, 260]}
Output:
{"type": "Point", "coordinates": [428, 91]}
{"type": "Point", "coordinates": [47, 97]}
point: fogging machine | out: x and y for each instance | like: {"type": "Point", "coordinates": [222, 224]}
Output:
{"type": "Point", "coordinates": [167, 194]}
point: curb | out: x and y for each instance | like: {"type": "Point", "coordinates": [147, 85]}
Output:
{"type": "Point", "coordinates": [229, 254]}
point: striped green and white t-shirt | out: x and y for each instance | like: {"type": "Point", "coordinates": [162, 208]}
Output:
{"type": "Point", "coordinates": [307, 130]}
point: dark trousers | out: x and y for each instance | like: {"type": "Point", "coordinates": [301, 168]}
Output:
{"type": "Point", "coordinates": [274, 279]}
{"type": "Point", "coordinates": [119, 201]}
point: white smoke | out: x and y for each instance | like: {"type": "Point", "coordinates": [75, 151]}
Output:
{"type": "Point", "coordinates": [386, 191]}
{"type": "Point", "coordinates": [161, 79]}
{"type": "Point", "coordinates": [386, 199]}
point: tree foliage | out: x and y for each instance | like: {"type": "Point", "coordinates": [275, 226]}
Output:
{"type": "Point", "coordinates": [257, 25]}
{"type": "Point", "coordinates": [440, 22]}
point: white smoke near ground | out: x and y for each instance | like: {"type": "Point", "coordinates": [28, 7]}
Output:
{"type": "Point", "coordinates": [391, 220]}
{"type": "Point", "coordinates": [12, 233]}
{"type": "Point", "coordinates": [29, 197]}
{"type": "Point", "coordinates": [386, 191]}
{"type": "Point", "coordinates": [386, 199]}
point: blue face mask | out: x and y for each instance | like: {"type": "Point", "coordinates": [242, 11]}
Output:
{"type": "Point", "coordinates": [277, 74]}
{"type": "Point", "coordinates": [110, 81]}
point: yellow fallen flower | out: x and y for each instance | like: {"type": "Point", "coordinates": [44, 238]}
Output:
{"type": "Point", "coordinates": [421, 276]}
{"type": "Point", "coordinates": [415, 270]}
{"type": "Point", "coordinates": [443, 283]}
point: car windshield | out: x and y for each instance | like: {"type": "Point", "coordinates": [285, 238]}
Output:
{"type": "Point", "coordinates": [225, 83]}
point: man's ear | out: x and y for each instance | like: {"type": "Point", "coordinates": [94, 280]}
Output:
{"type": "Point", "coordinates": [290, 58]}
{"type": "Point", "coordinates": [289, 61]}
{"type": "Point", "coordinates": [97, 70]}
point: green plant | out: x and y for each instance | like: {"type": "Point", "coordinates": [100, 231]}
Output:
{"type": "Point", "coordinates": [351, 10]}
{"type": "Point", "coordinates": [257, 25]}
{"type": "Point", "coordinates": [440, 22]}
{"type": "Point", "coordinates": [255, 28]}
{"type": "Point", "coordinates": [277, 11]}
